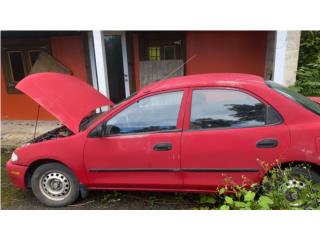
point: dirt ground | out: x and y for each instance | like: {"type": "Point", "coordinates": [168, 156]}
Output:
{"type": "Point", "coordinates": [15, 133]}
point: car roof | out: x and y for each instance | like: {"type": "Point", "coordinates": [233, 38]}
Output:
{"type": "Point", "coordinates": [202, 80]}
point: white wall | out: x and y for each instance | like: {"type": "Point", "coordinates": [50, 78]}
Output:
{"type": "Point", "coordinates": [100, 62]}
{"type": "Point", "coordinates": [286, 57]}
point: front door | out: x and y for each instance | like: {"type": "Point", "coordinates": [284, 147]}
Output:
{"type": "Point", "coordinates": [117, 65]}
{"type": "Point", "coordinates": [142, 146]}
{"type": "Point", "coordinates": [229, 134]}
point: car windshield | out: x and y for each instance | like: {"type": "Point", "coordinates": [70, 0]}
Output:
{"type": "Point", "coordinates": [302, 100]}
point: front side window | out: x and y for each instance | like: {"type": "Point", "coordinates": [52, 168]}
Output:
{"type": "Point", "coordinates": [222, 108]}
{"type": "Point", "coordinates": [155, 113]}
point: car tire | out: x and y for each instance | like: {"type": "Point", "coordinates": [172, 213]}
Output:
{"type": "Point", "coordinates": [55, 185]}
{"type": "Point", "coordinates": [295, 181]}
{"type": "Point", "coordinates": [306, 173]}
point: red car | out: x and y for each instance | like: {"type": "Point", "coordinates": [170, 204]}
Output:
{"type": "Point", "coordinates": [181, 134]}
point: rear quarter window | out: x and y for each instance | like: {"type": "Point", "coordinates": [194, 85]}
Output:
{"type": "Point", "coordinates": [296, 97]}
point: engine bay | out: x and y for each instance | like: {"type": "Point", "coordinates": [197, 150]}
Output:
{"type": "Point", "coordinates": [59, 132]}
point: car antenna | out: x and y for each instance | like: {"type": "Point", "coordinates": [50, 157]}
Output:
{"type": "Point", "coordinates": [36, 125]}
{"type": "Point", "coordinates": [175, 70]}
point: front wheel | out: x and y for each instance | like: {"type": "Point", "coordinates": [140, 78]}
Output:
{"type": "Point", "coordinates": [55, 185]}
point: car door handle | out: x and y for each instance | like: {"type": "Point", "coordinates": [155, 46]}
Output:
{"type": "Point", "coordinates": [162, 147]}
{"type": "Point", "coordinates": [267, 143]}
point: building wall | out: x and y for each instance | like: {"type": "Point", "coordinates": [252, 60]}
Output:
{"type": "Point", "coordinates": [226, 51]}
{"type": "Point", "coordinates": [287, 47]}
{"type": "Point", "coordinates": [292, 57]}
{"type": "Point", "coordinates": [67, 50]}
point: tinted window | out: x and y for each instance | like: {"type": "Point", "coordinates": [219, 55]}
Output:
{"type": "Point", "coordinates": [302, 100]}
{"type": "Point", "coordinates": [273, 117]}
{"type": "Point", "coordinates": [154, 113]}
{"type": "Point", "coordinates": [225, 108]}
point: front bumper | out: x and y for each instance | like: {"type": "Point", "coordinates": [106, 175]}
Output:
{"type": "Point", "coordinates": [16, 173]}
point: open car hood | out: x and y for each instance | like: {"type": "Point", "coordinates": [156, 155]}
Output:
{"type": "Point", "coordinates": [315, 99]}
{"type": "Point", "coordinates": [67, 98]}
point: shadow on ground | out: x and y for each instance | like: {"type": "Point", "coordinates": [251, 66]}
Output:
{"type": "Point", "coordinates": [13, 198]}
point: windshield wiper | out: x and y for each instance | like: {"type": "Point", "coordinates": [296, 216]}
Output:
{"type": "Point", "coordinates": [88, 119]}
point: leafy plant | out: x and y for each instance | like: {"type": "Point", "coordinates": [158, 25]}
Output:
{"type": "Point", "coordinates": [207, 199]}
{"type": "Point", "coordinates": [273, 193]}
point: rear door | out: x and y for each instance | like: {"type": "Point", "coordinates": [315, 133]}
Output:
{"type": "Point", "coordinates": [228, 135]}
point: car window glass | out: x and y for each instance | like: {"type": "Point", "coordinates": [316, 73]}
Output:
{"type": "Point", "coordinates": [294, 96]}
{"type": "Point", "coordinates": [222, 108]}
{"type": "Point", "coordinates": [273, 117]}
{"type": "Point", "coordinates": [154, 113]}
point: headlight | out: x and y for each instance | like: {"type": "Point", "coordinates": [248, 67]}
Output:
{"type": "Point", "coordinates": [14, 157]}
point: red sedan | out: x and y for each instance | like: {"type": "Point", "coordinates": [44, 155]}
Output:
{"type": "Point", "coordinates": [181, 134]}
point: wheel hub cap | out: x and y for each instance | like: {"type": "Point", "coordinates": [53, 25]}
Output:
{"type": "Point", "coordinates": [55, 185]}
{"type": "Point", "coordinates": [292, 189]}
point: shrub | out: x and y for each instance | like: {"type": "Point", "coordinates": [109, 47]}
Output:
{"type": "Point", "coordinates": [308, 74]}
{"type": "Point", "coordinates": [273, 193]}
{"type": "Point", "coordinates": [308, 81]}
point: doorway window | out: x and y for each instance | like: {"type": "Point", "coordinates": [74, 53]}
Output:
{"type": "Point", "coordinates": [161, 46]}
{"type": "Point", "coordinates": [169, 52]}
{"type": "Point", "coordinates": [154, 53]}
{"type": "Point", "coordinates": [162, 55]}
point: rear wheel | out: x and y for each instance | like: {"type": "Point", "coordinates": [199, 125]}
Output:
{"type": "Point", "coordinates": [298, 181]}
{"type": "Point", "coordinates": [55, 185]}
{"type": "Point", "coordinates": [295, 183]}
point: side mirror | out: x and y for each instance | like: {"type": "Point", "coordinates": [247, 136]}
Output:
{"type": "Point", "coordinates": [97, 132]}
{"type": "Point", "coordinates": [103, 130]}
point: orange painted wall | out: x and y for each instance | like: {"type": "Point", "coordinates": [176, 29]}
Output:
{"type": "Point", "coordinates": [226, 51]}
{"type": "Point", "coordinates": [70, 52]}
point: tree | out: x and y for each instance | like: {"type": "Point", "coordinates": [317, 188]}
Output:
{"type": "Point", "coordinates": [308, 74]}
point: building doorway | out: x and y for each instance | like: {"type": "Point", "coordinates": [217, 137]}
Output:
{"type": "Point", "coordinates": [162, 55]}
{"type": "Point", "coordinates": [117, 65]}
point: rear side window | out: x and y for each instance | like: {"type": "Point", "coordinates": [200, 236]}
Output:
{"type": "Point", "coordinates": [224, 108]}
{"type": "Point", "coordinates": [294, 96]}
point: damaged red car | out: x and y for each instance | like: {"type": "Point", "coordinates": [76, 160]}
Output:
{"type": "Point", "coordinates": [181, 134]}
